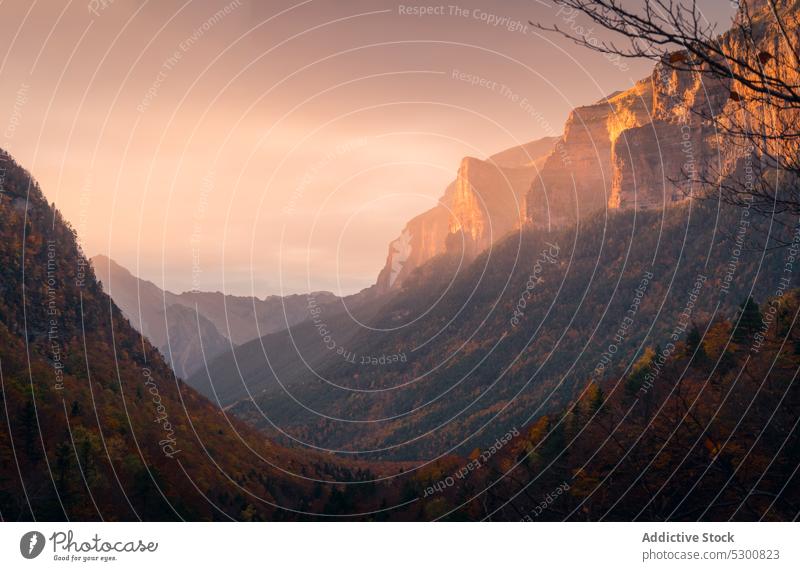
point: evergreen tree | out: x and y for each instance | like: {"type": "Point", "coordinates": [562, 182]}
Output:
{"type": "Point", "coordinates": [694, 346]}
{"type": "Point", "coordinates": [748, 321]}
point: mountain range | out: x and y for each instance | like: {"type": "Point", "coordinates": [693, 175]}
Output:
{"type": "Point", "coordinates": [192, 328]}
{"type": "Point", "coordinates": [574, 332]}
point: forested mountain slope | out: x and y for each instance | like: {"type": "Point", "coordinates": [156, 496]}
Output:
{"type": "Point", "coordinates": [93, 423]}
{"type": "Point", "coordinates": [513, 335]}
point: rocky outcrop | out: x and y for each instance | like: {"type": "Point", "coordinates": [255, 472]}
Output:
{"type": "Point", "coordinates": [484, 203]}
{"type": "Point", "coordinates": [647, 147]}
{"type": "Point", "coordinates": [578, 177]}
{"type": "Point", "coordinates": [658, 162]}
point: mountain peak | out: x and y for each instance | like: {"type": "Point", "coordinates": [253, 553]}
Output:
{"type": "Point", "coordinates": [103, 262]}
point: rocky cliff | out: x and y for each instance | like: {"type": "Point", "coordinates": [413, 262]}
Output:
{"type": "Point", "coordinates": [577, 177]}
{"type": "Point", "coordinates": [484, 202]}
{"type": "Point", "coordinates": [648, 146]}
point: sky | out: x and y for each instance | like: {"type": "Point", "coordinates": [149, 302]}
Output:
{"type": "Point", "coordinates": [262, 147]}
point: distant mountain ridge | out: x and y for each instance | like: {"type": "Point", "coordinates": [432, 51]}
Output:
{"type": "Point", "coordinates": [194, 327]}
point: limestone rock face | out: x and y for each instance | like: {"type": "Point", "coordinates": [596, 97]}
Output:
{"type": "Point", "coordinates": [192, 328]}
{"type": "Point", "coordinates": [485, 202]}
{"type": "Point", "coordinates": [657, 163]}
{"type": "Point", "coordinates": [577, 176]}
{"type": "Point", "coordinates": [647, 147]}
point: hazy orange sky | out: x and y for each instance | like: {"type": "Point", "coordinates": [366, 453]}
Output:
{"type": "Point", "coordinates": [260, 147]}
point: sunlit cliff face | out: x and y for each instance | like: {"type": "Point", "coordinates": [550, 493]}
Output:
{"type": "Point", "coordinates": [485, 203]}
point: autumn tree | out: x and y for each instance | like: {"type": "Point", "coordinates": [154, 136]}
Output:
{"type": "Point", "coordinates": [748, 321]}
